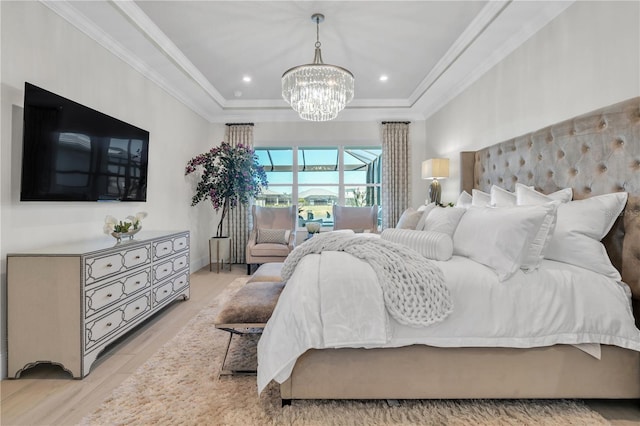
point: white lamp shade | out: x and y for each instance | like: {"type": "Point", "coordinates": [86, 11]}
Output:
{"type": "Point", "coordinates": [435, 168]}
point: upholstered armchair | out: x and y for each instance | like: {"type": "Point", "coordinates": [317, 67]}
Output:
{"type": "Point", "coordinates": [359, 219]}
{"type": "Point", "coordinates": [273, 235]}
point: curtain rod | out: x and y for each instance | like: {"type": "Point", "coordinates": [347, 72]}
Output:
{"type": "Point", "coordinates": [238, 124]}
{"type": "Point", "coordinates": [396, 122]}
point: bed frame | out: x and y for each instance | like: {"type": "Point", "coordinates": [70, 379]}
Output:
{"type": "Point", "coordinates": [595, 153]}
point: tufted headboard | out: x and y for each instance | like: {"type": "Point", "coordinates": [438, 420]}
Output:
{"type": "Point", "coordinates": [595, 153]}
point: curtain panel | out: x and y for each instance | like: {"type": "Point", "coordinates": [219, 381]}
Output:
{"type": "Point", "coordinates": [396, 185]}
{"type": "Point", "coordinates": [238, 219]}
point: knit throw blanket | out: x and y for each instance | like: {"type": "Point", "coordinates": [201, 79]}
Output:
{"type": "Point", "coordinates": [413, 286]}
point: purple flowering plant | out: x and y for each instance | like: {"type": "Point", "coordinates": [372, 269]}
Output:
{"type": "Point", "coordinates": [231, 175]}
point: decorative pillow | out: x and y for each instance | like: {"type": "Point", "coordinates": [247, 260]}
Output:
{"type": "Point", "coordinates": [425, 212]}
{"type": "Point", "coordinates": [538, 247]}
{"type": "Point", "coordinates": [500, 197]}
{"type": "Point", "coordinates": [432, 245]}
{"type": "Point", "coordinates": [480, 199]}
{"type": "Point", "coordinates": [444, 219]}
{"type": "Point", "coordinates": [464, 200]}
{"type": "Point", "coordinates": [409, 219]}
{"type": "Point", "coordinates": [273, 236]}
{"type": "Point", "coordinates": [580, 227]}
{"type": "Point", "coordinates": [564, 195]}
{"type": "Point", "coordinates": [498, 238]}
{"type": "Point", "coordinates": [527, 196]}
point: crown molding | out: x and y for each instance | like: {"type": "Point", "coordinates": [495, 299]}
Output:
{"type": "Point", "coordinates": [69, 13]}
{"type": "Point", "coordinates": [479, 24]}
{"type": "Point", "coordinates": [534, 24]}
{"type": "Point", "coordinates": [170, 50]}
{"type": "Point", "coordinates": [443, 83]}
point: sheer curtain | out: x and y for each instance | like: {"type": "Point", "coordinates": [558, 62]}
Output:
{"type": "Point", "coordinates": [396, 185]}
{"type": "Point", "coordinates": [238, 218]}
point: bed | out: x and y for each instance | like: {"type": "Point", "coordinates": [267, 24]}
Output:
{"type": "Point", "coordinates": [594, 154]}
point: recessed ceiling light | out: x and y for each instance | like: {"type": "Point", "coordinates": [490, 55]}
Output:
{"type": "Point", "coordinates": [384, 77]}
{"type": "Point", "coordinates": [246, 79]}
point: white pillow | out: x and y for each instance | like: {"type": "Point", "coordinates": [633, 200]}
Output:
{"type": "Point", "coordinates": [479, 198]}
{"type": "Point", "coordinates": [540, 243]}
{"type": "Point", "coordinates": [432, 245]}
{"type": "Point", "coordinates": [444, 219]}
{"type": "Point", "coordinates": [501, 197]}
{"type": "Point", "coordinates": [526, 196]}
{"type": "Point", "coordinates": [580, 227]}
{"type": "Point", "coordinates": [409, 219]}
{"type": "Point", "coordinates": [498, 238]}
{"type": "Point", "coordinates": [564, 195]}
{"type": "Point", "coordinates": [425, 212]}
{"type": "Point", "coordinates": [464, 200]}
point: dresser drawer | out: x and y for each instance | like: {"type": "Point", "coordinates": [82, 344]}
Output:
{"type": "Point", "coordinates": [99, 267]}
{"type": "Point", "coordinates": [180, 243]}
{"type": "Point", "coordinates": [101, 297]}
{"type": "Point", "coordinates": [137, 257]}
{"type": "Point", "coordinates": [171, 287]}
{"type": "Point", "coordinates": [162, 249]}
{"type": "Point", "coordinates": [110, 324]}
{"type": "Point", "coordinates": [169, 266]}
{"type": "Point", "coordinates": [170, 246]}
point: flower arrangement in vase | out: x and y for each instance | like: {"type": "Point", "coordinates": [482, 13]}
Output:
{"type": "Point", "coordinates": [229, 176]}
{"type": "Point", "coordinates": [312, 228]}
{"type": "Point", "coordinates": [128, 227]}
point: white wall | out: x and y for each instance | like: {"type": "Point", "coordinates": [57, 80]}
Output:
{"type": "Point", "coordinates": [40, 47]}
{"type": "Point", "coordinates": [587, 58]}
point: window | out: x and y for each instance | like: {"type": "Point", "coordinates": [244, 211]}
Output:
{"type": "Point", "coordinates": [319, 177]}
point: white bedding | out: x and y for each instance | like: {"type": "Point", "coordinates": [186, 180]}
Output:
{"type": "Point", "coordinates": [333, 300]}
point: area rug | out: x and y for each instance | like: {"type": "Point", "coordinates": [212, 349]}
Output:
{"type": "Point", "coordinates": [179, 385]}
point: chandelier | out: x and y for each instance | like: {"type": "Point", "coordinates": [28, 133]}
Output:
{"type": "Point", "coordinates": [317, 91]}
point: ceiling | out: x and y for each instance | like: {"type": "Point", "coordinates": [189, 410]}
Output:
{"type": "Point", "coordinates": [200, 51]}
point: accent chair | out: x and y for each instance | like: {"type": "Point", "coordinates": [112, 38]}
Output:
{"type": "Point", "coordinates": [273, 235]}
{"type": "Point", "coordinates": [359, 219]}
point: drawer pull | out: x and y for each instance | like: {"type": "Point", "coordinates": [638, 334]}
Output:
{"type": "Point", "coordinates": [165, 270]}
{"type": "Point", "coordinates": [165, 248]}
{"type": "Point", "coordinates": [137, 308]}
{"type": "Point", "coordinates": [166, 291]}
{"type": "Point", "coordinates": [181, 244]}
{"type": "Point", "coordinates": [109, 295]}
{"type": "Point", "coordinates": [181, 263]}
{"type": "Point", "coordinates": [137, 282]}
{"type": "Point", "coordinates": [109, 265]}
{"type": "Point", "coordinates": [137, 257]}
{"type": "Point", "coordinates": [108, 324]}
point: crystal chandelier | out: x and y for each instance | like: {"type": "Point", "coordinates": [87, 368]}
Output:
{"type": "Point", "coordinates": [317, 91]}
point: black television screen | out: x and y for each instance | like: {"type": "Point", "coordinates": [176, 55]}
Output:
{"type": "Point", "coordinates": [74, 153]}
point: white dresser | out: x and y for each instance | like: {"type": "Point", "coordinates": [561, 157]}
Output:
{"type": "Point", "coordinates": [65, 304]}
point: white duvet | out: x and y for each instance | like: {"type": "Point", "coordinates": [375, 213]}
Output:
{"type": "Point", "coordinates": [334, 300]}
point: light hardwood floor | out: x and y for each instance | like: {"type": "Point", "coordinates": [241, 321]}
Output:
{"type": "Point", "coordinates": [45, 395]}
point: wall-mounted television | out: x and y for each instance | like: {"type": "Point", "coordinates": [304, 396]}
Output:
{"type": "Point", "coordinates": [74, 153]}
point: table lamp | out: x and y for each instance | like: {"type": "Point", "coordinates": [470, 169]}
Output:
{"type": "Point", "coordinates": [435, 168]}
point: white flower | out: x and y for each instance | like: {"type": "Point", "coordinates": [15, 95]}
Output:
{"type": "Point", "coordinates": [110, 220]}
{"type": "Point", "coordinates": [108, 228]}
{"type": "Point", "coordinates": [141, 215]}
